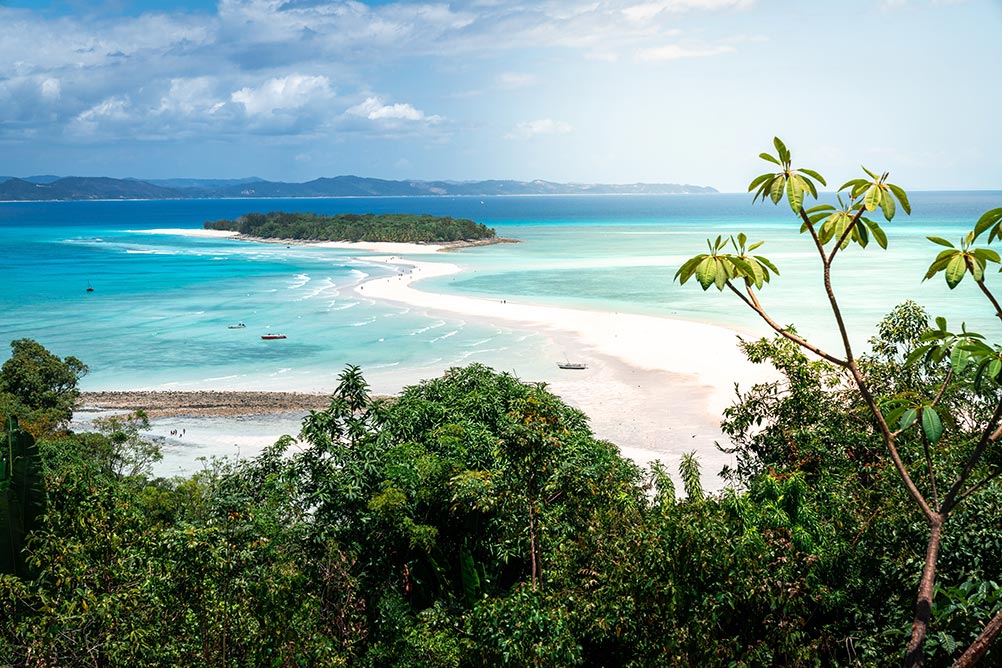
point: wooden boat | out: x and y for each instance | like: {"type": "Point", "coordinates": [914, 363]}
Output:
{"type": "Point", "coordinates": [269, 337]}
{"type": "Point", "coordinates": [572, 365]}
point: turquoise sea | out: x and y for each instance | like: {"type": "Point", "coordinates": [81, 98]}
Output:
{"type": "Point", "coordinates": [158, 315]}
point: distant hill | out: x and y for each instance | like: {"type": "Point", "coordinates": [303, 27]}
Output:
{"type": "Point", "coordinates": [84, 188]}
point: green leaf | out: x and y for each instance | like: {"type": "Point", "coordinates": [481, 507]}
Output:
{"type": "Point", "coordinates": [873, 197]}
{"type": "Point", "coordinates": [902, 198]}
{"type": "Point", "coordinates": [807, 184]}
{"type": "Point", "coordinates": [887, 205]}
{"type": "Point", "coordinates": [941, 241]}
{"type": "Point", "coordinates": [878, 233]}
{"type": "Point", "coordinates": [958, 359]}
{"type": "Point", "coordinates": [977, 268]}
{"type": "Point", "coordinates": [907, 418]}
{"type": "Point", "coordinates": [766, 156]}
{"type": "Point", "coordinates": [955, 270]}
{"type": "Point", "coordinates": [872, 175]}
{"type": "Point", "coordinates": [994, 367]}
{"type": "Point", "coordinates": [759, 180]}
{"type": "Point", "coordinates": [784, 154]}
{"type": "Point", "coordinates": [768, 263]}
{"type": "Point", "coordinates": [931, 424]}
{"type": "Point", "coordinates": [794, 193]}
{"type": "Point", "coordinates": [986, 255]}
{"type": "Point", "coordinates": [685, 272]}
{"type": "Point", "coordinates": [854, 183]}
{"type": "Point", "coordinates": [989, 219]}
{"type": "Point", "coordinates": [706, 272]}
{"type": "Point", "coordinates": [776, 189]}
{"type": "Point", "coordinates": [814, 175]}
{"type": "Point", "coordinates": [722, 274]}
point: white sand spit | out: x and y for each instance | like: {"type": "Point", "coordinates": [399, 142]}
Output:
{"type": "Point", "coordinates": [654, 386]}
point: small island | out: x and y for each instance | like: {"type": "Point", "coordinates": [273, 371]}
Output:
{"type": "Point", "coordinates": [368, 227]}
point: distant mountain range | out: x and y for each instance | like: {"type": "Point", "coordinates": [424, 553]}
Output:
{"type": "Point", "coordinates": [49, 187]}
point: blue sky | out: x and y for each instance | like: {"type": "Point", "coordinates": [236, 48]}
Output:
{"type": "Point", "coordinates": [566, 90]}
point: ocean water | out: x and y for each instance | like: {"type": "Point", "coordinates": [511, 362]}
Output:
{"type": "Point", "coordinates": [158, 315]}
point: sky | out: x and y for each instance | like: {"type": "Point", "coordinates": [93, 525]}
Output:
{"type": "Point", "coordinates": [597, 91]}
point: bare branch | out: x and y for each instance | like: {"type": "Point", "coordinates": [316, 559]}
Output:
{"type": "Point", "coordinates": [991, 298]}
{"type": "Point", "coordinates": [981, 644]}
{"type": "Point", "coordinates": [942, 388]}
{"type": "Point", "coordinates": [984, 481]}
{"type": "Point", "coordinates": [814, 234]}
{"type": "Point", "coordinates": [932, 471]}
{"type": "Point", "coordinates": [991, 433]}
{"type": "Point", "coordinates": [753, 303]}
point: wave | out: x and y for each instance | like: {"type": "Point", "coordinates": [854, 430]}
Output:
{"type": "Point", "coordinates": [477, 343]}
{"type": "Point", "coordinates": [331, 306]}
{"type": "Point", "coordinates": [322, 287]}
{"type": "Point", "coordinates": [149, 251]}
{"type": "Point", "coordinates": [298, 281]}
{"type": "Point", "coordinates": [440, 323]}
{"type": "Point", "coordinates": [445, 336]}
{"type": "Point", "coordinates": [383, 366]}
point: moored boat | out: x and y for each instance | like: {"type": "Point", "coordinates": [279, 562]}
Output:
{"type": "Point", "coordinates": [269, 337]}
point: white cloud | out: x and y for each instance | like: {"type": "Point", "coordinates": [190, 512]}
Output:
{"type": "Point", "coordinates": [289, 92]}
{"type": "Point", "coordinates": [50, 89]}
{"type": "Point", "coordinates": [542, 126]}
{"type": "Point", "coordinates": [114, 108]}
{"type": "Point", "coordinates": [373, 109]}
{"type": "Point", "coordinates": [675, 52]}
{"type": "Point", "coordinates": [646, 11]}
{"type": "Point", "coordinates": [513, 80]}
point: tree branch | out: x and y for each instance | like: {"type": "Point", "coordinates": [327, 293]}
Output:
{"type": "Point", "coordinates": [988, 436]}
{"type": "Point", "coordinates": [942, 388]}
{"type": "Point", "coordinates": [753, 303]}
{"type": "Point", "coordinates": [991, 298]}
{"type": "Point", "coordinates": [932, 471]}
{"type": "Point", "coordinates": [981, 644]}
{"type": "Point", "coordinates": [845, 235]}
{"type": "Point", "coordinates": [975, 487]}
{"type": "Point", "coordinates": [814, 234]}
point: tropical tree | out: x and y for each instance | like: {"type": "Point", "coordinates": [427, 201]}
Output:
{"type": "Point", "coordinates": [39, 386]}
{"type": "Point", "coordinates": [910, 427]}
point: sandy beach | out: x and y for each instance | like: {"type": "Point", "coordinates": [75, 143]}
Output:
{"type": "Point", "coordinates": [654, 386]}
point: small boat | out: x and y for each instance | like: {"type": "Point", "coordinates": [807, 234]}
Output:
{"type": "Point", "coordinates": [239, 325]}
{"type": "Point", "coordinates": [270, 337]}
{"type": "Point", "coordinates": [89, 287]}
{"type": "Point", "coordinates": [572, 365]}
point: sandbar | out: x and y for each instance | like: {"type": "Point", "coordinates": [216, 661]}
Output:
{"type": "Point", "coordinates": [655, 386]}
{"type": "Point", "coordinates": [396, 248]}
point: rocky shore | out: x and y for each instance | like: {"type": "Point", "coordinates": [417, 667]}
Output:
{"type": "Point", "coordinates": [218, 403]}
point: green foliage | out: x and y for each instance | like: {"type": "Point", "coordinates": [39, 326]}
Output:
{"type": "Point", "coordinates": [716, 268]}
{"type": "Point", "coordinates": [41, 388]}
{"type": "Point", "coordinates": [791, 182]}
{"type": "Point", "coordinates": [22, 497]}
{"type": "Point", "coordinates": [955, 263]}
{"type": "Point", "coordinates": [400, 227]}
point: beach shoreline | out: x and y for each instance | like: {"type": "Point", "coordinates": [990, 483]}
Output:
{"type": "Point", "coordinates": [394, 247]}
{"type": "Point", "coordinates": [212, 403]}
{"type": "Point", "coordinates": [654, 386]}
